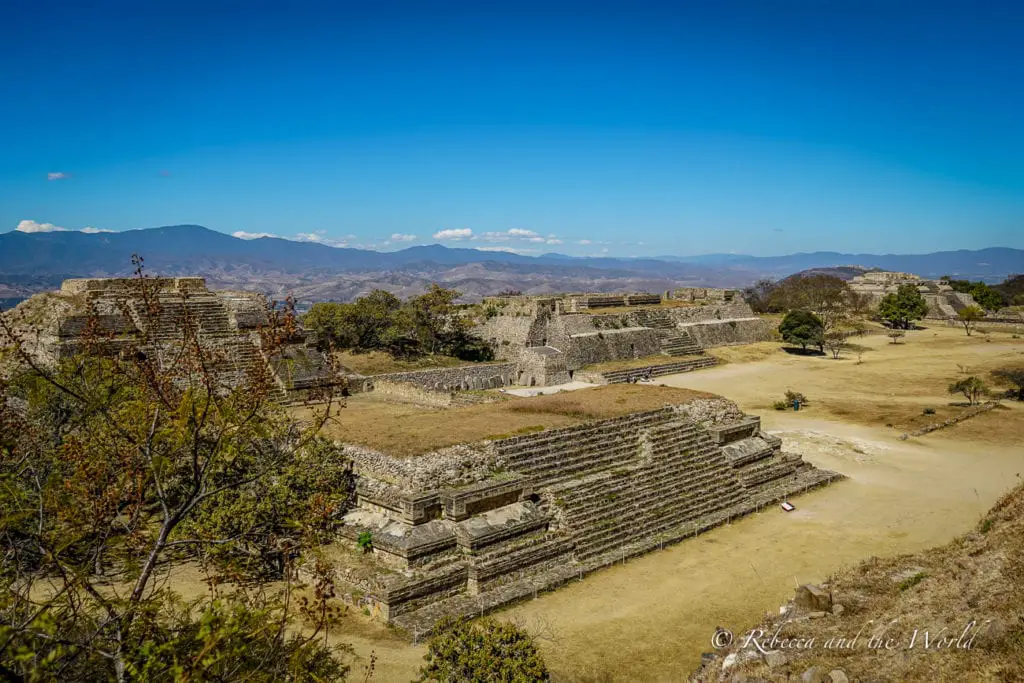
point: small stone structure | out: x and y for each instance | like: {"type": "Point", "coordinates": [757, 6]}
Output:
{"type": "Point", "coordinates": [227, 322]}
{"type": "Point", "coordinates": [468, 528]}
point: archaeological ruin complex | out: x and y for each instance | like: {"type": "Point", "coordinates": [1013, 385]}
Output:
{"type": "Point", "coordinates": [515, 507]}
{"type": "Point", "coordinates": [467, 528]}
{"type": "Point", "coordinates": [555, 339]}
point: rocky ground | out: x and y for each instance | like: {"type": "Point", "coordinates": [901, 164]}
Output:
{"type": "Point", "coordinates": [953, 613]}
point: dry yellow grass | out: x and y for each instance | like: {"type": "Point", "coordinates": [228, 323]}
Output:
{"type": "Point", "coordinates": [381, 362]}
{"type": "Point", "coordinates": [888, 387]}
{"type": "Point", "coordinates": [406, 430]}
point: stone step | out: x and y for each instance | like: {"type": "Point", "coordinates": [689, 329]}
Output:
{"type": "Point", "coordinates": [626, 423]}
{"type": "Point", "coordinates": [660, 369]}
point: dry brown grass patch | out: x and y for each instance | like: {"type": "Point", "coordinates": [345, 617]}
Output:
{"type": "Point", "coordinates": [382, 362]}
{"type": "Point", "coordinates": [406, 430]}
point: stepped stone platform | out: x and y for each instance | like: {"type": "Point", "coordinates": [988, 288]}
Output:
{"type": "Point", "coordinates": [472, 527]}
{"type": "Point", "coordinates": [553, 337]}
{"type": "Point", "coordinates": [227, 322]}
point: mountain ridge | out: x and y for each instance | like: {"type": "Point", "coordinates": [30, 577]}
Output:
{"type": "Point", "coordinates": [33, 261]}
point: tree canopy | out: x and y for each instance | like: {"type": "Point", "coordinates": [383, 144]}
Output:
{"type": "Point", "coordinates": [902, 307]}
{"type": "Point", "coordinates": [431, 323]}
{"type": "Point", "coordinates": [127, 459]}
{"type": "Point", "coordinates": [802, 328]}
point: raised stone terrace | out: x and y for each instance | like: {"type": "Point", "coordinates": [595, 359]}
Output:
{"type": "Point", "coordinates": [467, 528]}
{"type": "Point", "coordinates": [552, 338]}
{"type": "Point", "coordinates": [227, 322]}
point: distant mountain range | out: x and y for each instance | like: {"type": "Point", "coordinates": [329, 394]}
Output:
{"type": "Point", "coordinates": [31, 262]}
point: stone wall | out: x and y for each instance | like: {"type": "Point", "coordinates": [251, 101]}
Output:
{"type": "Point", "coordinates": [607, 345]}
{"type": "Point", "coordinates": [696, 294]}
{"type": "Point", "coordinates": [542, 366]}
{"type": "Point", "coordinates": [406, 392]}
{"type": "Point", "coordinates": [723, 311]}
{"type": "Point", "coordinates": [462, 378]}
{"type": "Point", "coordinates": [729, 332]}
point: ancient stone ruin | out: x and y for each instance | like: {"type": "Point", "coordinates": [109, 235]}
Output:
{"type": "Point", "coordinates": [468, 528]}
{"type": "Point", "coordinates": [943, 302]}
{"type": "Point", "coordinates": [51, 325]}
{"type": "Point", "coordinates": [554, 338]}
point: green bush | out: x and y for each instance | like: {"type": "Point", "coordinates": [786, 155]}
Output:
{"type": "Point", "coordinates": [913, 581]}
{"type": "Point", "coordinates": [796, 396]}
{"type": "Point", "coordinates": [781, 405]}
{"type": "Point", "coordinates": [482, 650]}
{"type": "Point", "coordinates": [365, 541]}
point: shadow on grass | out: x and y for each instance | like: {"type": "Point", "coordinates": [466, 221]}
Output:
{"type": "Point", "coordinates": [797, 351]}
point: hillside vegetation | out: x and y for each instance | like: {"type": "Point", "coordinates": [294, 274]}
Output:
{"type": "Point", "coordinates": [967, 595]}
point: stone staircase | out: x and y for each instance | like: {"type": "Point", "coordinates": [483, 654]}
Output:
{"type": "Point", "coordinates": [673, 341]}
{"type": "Point", "coordinates": [660, 369]}
{"type": "Point", "coordinates": [175, 311]}
{"type": "Point", "coordinates": [630, 478]}
{"type": "Point", "coordinates": [236, 357]}
{"type": "Point", "coordinates": [556, 455]}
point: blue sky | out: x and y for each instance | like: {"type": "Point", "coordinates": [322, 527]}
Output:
{"type": "Point", "coordinates": [592, 128]}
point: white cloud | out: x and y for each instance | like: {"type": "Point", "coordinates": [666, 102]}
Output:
{"type": "Point", "coordinates": [584, 242]}
{"type": "Point", "coordinates": [516, 232]}
{"type": "Point", "coordinates": [58, 176]}
{"type": "Point", "coordinates": [399, 237]}
{"type": "Point", "coordinates": [320, 237]}
{"type": "Point", "coordinates": [552, 240]}
{"type": "Point", "coordinates": [243, 235]}
{"type": "Point", "coordinates": [32, 226]}
{"type": "Point", "coordinates": [454, 235]}
{"type": "Point", "coordinates": [511, 250]}
{"type": "Point", "coordinates": [93, 231]}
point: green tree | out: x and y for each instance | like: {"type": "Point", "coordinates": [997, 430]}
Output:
{"type": "Point", "coordinates": [969, 318]}
{"type": "Point", "coordinates": [124, 461]}
{"type": "Point", "coordinates": [1012, 289]}
{"type": "Point", "coordinates": [988, 298]}
{"type": "Point", "coordinates": [436, 321]}
{"type": "Point", "coordinates": [371, 317]}
{"type": "Point", "coordinates": [971, 387]}
{"type": "Point", "coordinates": [485, 650]}
{"type": "Point", "coordinates": [329, 322]}
{"type": "Point", "coordinates": [1013, 377]}
{"type": "Point", "coordinates": [901, 308]}
{"type": "Point", "coordinates": [802, 328]}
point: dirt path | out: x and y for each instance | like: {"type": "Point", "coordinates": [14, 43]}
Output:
{"type": "Point", "coordinates": [650, 619]}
